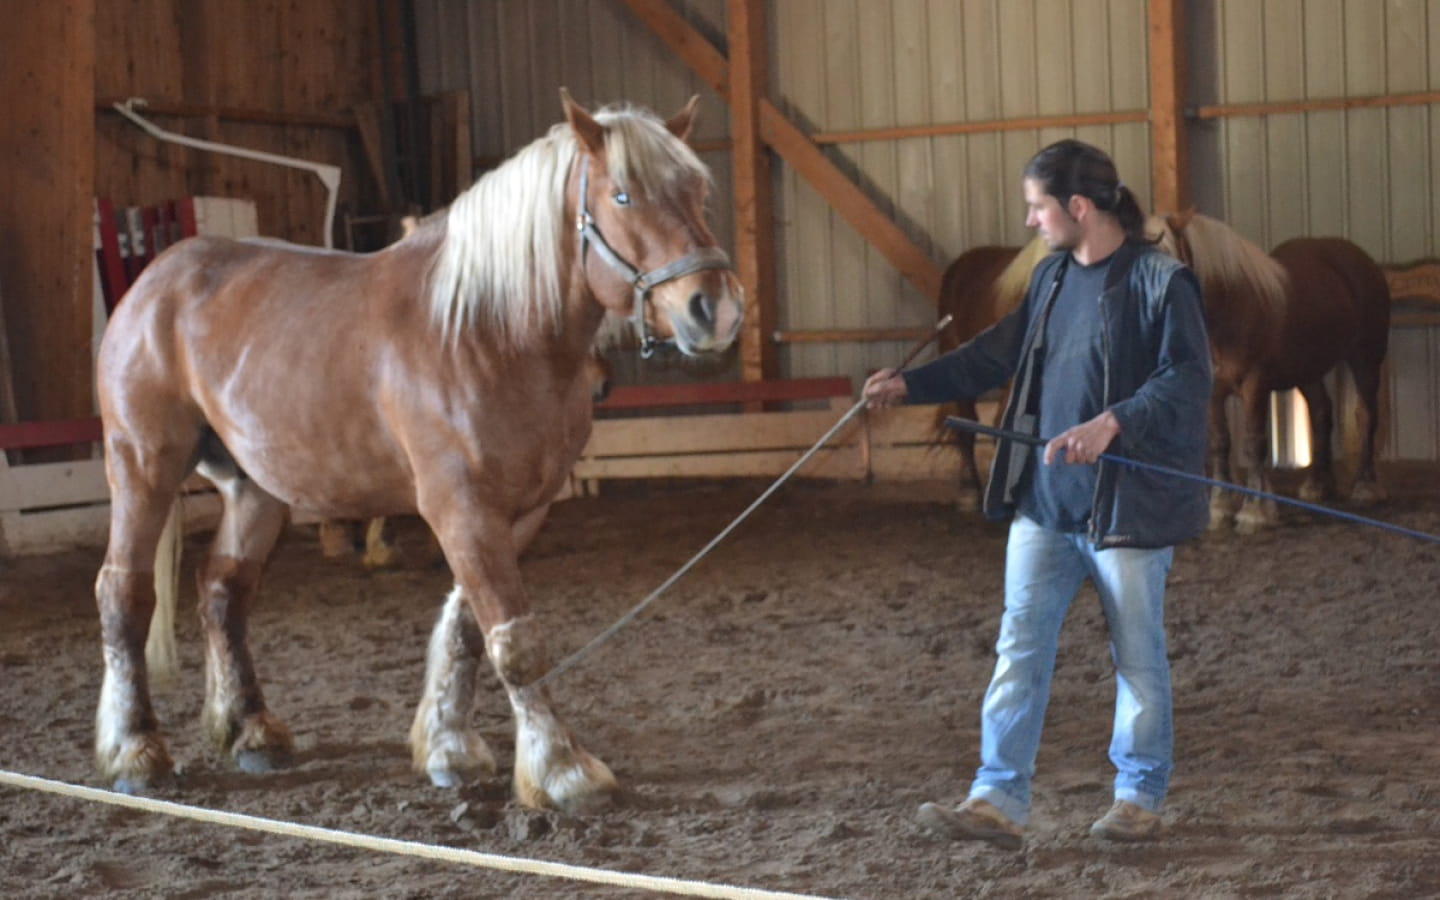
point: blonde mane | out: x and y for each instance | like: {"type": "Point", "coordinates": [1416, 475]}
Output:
{"type": "Point", "coordinates": [1014, 280]}
{"type": "Point", "coordinates": [506, 241]}
{"type": "Point", "coordinates": [1223, 260]}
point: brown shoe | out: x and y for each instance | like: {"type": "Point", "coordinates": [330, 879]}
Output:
{"type": "Point", "coordinates": [1127, 822]}
{"type": "Point", "coordinates": [973, 820]}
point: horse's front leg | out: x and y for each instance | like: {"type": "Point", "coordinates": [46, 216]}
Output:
{"type": "Point", "coordinates": [443, 745]}
{"type": "Point", "coordinates": [551, 768]}
{"type": "Point", "coordinates": [235, 715]}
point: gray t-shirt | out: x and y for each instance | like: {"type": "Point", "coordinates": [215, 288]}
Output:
{"type": "Point", "coordinates": [1072, 383]}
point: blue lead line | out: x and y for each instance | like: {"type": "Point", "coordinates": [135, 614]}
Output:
{"type": "Point", "coordinates": [957, 423]}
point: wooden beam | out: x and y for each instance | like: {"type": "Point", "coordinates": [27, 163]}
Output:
{"type": "Point", "coordinates": [989, 126]}
{"type": "Point", "coordinates": [1169, 160]}
{"type": "Point", "coordinates": [311, 119]}
{"type": "Point", "coordinates": [754, 201]}
{"type": "Point", "coordinates": [796, 149]}
{"type": "Point", "coordinates": [849, 201]}
{"type": "Point", "coordinates": [686, 42]}
{"type": "Point", "coordinates": [47, 186]}
{"type": "Point", "coordinates": [1281, 107]}
{"type": "Point", "coordinates": [849, 335]}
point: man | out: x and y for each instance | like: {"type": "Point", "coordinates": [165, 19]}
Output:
{"type": "Point", "coordinates": [1109, 355]}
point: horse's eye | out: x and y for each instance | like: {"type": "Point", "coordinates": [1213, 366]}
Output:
{"type": "Point", "coordinates": [622, 198]}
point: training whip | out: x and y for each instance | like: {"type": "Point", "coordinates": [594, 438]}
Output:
{"type": "Point", "coordinates": [959, 424]}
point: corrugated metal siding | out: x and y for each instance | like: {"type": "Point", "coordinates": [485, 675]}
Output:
{"type": "Point", "coordinates": [843, 65]}
{"type": "Point", "coordinates": [840, 65]}
{"type": "Point", "coordinates": [1365, 174]}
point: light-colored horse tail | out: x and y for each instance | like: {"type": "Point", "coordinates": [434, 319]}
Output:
{"type": "Point", "coordinates": [161, 656]}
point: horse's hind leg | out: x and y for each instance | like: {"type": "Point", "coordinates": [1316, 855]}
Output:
{"type": "Point", "coordinates": [1255, 514]}
{"type": "Point", "coordinates": [1222, 506]}
{"type": "Point", "coordinates": [235, 714]}
{"type": "Point", "coordinates": [1367, 373]}
{"type": "Point", "coordinates": [1319, 483]}
{"type": "Point", "coordinates": [129, 749]}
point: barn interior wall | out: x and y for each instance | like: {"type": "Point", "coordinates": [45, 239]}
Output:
{"type": "Point", "coordinates": [47, 56]}
{"type": "Point", "coordinates": [841, 65]}
{"type": "Point", "coordinates": [283, 77]}
{"type": "Point", "coordinates": [1364, 173]}
{"type": "Point", "coordinates": [287, 59]}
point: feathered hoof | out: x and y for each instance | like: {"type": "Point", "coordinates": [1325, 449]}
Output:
{"type": "Point", "coordinates": [1313, 490]}
{"type": "Point", "coordinates": [263, 745]}
{"type": "Point", "coordinates": [581, 786]}
{"type": "Point", "coordinates": [457, 759]}
{"type": "Point", "coordinates": [1367, 493]}
{"type": "Point", "coordinates": [1247, 522]}
{"type": "Point", "coordinates": [140, 766]}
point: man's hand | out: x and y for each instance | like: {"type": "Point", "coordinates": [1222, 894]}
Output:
{"type": "Point", "coordinates": [884, 389]}
{"type": "Point", "coordinates": [1085, 442]}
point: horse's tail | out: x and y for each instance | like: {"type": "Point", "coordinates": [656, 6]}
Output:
{"type": "Point", "coordinates": [161, 657]}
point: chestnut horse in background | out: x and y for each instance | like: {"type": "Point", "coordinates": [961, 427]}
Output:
{"type": "Point", "coordinates": [1278, 321]}
{"type": "Point", "coordinates": [978, 289]}
{"type": "Point", "coordinates": [443, 375]}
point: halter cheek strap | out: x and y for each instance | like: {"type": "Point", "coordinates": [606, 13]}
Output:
{"type": "Point", "coordinates": [641, 283]}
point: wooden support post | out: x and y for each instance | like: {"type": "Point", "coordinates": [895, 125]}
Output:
{"type": "Point", "coordinates": [791, 144]}
{"type": "Point", "coordinates": [754, 225]}
{"type": "Point", "coordinates": [47, 186]}
{"type": "Point", "coordinates": [1169, 161]}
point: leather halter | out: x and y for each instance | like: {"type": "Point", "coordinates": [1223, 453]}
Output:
{"type": "Point", "coordinates": [642, 283]}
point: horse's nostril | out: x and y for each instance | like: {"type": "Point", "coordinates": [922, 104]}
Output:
{"type": "Point", "coordinates": [702, 308]}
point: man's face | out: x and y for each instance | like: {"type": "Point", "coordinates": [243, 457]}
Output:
{"type": "Point", "coordinates": [1051, 221]}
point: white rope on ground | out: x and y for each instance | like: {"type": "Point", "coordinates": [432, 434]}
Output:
{"type": "Point", "coordinates": [404, 848]}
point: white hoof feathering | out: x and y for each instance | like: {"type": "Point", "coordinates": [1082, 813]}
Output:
{"type": "Point", "coordinates": [441, 743]}
{"type": "Point", "coordinates": [551, 769]}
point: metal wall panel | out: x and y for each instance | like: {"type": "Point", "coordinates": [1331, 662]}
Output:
{"type": "Point", "coordinates": [1363, 173]}
{"type": "Point", "coordinates": [842, 65]}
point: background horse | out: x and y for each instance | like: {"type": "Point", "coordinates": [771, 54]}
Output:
{"type": "Point", "coordinates": [978, 289]}
{"type": "Point", "coordinates": [442, 375]}
{"type": "Point", "coordinates": [1281, 321]}
{"type": "Point", "coordinates": [1275, 322]}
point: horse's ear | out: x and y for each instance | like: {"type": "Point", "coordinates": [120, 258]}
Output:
{"type": "Point", "coordinates": [587, 131]}
{"type": "Point", "coordinates": [1178, 221]}
{"type": "Point", "coordinates": [682, 121]}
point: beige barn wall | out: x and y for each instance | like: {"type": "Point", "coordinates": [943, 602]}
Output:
{"type": "Point", "coordinates": [1365, 174]}
{"type": "Point", "coordinates": [842, 65]}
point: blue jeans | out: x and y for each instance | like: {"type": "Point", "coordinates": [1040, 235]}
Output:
{"type": "Point", "coordinates": [1043, 571]}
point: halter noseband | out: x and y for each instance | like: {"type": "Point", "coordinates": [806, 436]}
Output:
{"type": "Point", "coordinates": [642, 283]}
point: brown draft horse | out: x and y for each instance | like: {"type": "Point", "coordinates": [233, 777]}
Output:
{"type": "Point", "coordinates": [1282, 321]}
{"type": "Point", "coordinates": [1275, 322]}
{"type": "Point", "coordinates": [977, 290]}
{"type": "Point", "coordinates": [443, 375]}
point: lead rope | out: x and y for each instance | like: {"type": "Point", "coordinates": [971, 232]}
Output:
{"type": "Point", "coordinates": [574, 659]}
{"type": "Point", "coordinates": [959, 424]}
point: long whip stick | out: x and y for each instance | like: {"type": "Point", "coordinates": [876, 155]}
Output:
{"type": "Point", "coordinates": [573, 659]}
{"type": "Point", "coordinates": [959, 424]}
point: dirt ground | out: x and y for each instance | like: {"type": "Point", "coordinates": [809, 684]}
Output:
{"type": "Point", "coordinates": [776, 717]}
